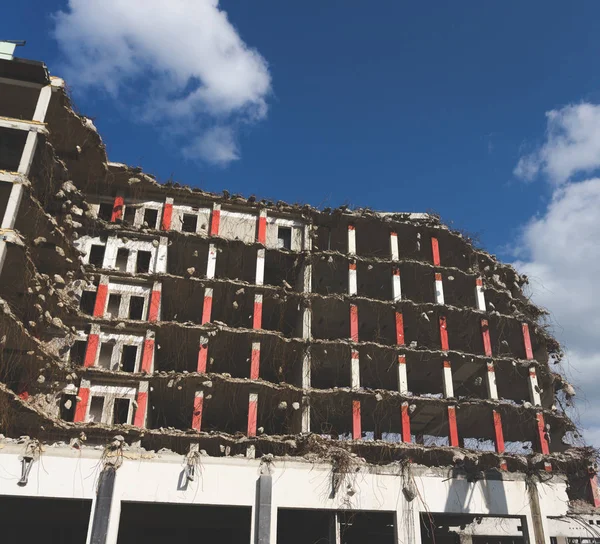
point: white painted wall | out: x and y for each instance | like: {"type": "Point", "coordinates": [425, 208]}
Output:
{"type": "Point", "coordinates": [65, 472]}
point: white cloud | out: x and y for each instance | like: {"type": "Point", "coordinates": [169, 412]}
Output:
{"type": "Point", "coordinates": [216, 145]}
{"type": "Point", "coordinates": [184, 58]}
{"type": "Point", "coordinates": [559, 250]}
{"type": "Point", "coordinates": [572, 145]}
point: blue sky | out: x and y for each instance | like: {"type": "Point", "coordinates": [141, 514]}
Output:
{"type": "Point", "coordinates": [406, 106]}
{"type": "Point", "coordinates": [393, 105]}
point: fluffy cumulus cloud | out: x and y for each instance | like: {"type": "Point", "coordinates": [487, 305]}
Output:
{"type": "Point", "coordinates": [189, 65]}
{"type": "Point", "coordinates": [572, 145]}
{"type": "Point", "coordinates": [560, 249]}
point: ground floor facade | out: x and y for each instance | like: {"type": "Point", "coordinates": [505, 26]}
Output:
{"type": "Point", "coordinates": [68, 494]}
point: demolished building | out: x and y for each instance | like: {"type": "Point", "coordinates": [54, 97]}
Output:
{"type": "Point", "coordinates": [176, 363]}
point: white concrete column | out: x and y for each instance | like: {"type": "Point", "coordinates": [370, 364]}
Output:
{"type": "Point", "coordinates": [448, 385]}
{"type": "Point", "coordinates": [439, 288]}
{"type": "Point", "coordinates": [394, 246]}
{"type": "Point", "coordinates": [212, 261]}
{"type": "Point", "coordinates": [12, 207]}
{"type": "Point", "coordinates": [396, 285]}
{"type": "Point", "coordinates": [402, 375]}
{"type": "Point", "coordinates": [351, 240]}
{"type": "Point", "coordinates": [110, 253]}
{"type": "Point", "coordinates": [479, 295]}
{"type": "Point", "coordinates": [260, 266]}
{"type": "Point", "coordinates": [534, 389]}
{"type": "Point", "coordinates": [492, 389]}
{"type": "Point", "coordinates": [161, 255]}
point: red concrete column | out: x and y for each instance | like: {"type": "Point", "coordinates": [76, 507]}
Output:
{"type": "Point", "coordinates": [91, 350]}
{"type": "Point", "coordinates": [485, 335]}
{"type": "Point", "coordinates": [101, 297]}
{"type": "Point", "coordinates": [167, 214]}
{"type": "Point", "coordinates": [435, 251]}
{"type": "Point", "coordinates": [154, 311]}
{"type": "Point", "coordinates": [527, 342]}
{"type": "Point", "coordinates": [117, 212]}
{"type": "Point", "coordinates": [356, 423]}
{"type": "Point", "coordinates": [202, 355]}
{"type": "Point", "coordinates": [399, 329]}
{"type": "Point", "coordinates": [541, 427]}
{"type": "Point", "coordinates": [148, 353]}
{"type": "Point", "coordinates": [261, 233]}
{"type": "Point", "coordinates": [255, 361]}
{"type": "Point", "coordinates": [354, 322]}
{"type": "Point", "coordinates": [405, 415]}
{"type": "Point", "coordinates": [215, 220]}
{"type": "Point", "coordinates": [257, 315]}
{"type": "Point", "coordinates": [452, 427]}
{"type": "Point", "coordinates": [207, 305]}
{"type": "Point", "coordinates": [444, 334]}
{"type": "Point", "coordinates": [198, 406]}
{"type": "Point", "coordinates": [252, 413]}
{"type": "Point", "coordinates": [84, 398]}
{"type": "Point", "coordinates": [499, 435]}
{"type": "Point", "coordinates": [142, 406]}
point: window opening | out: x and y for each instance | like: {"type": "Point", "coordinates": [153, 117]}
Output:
{"type": "Point", "coordinates": [284, 237]}
{"type": "Point", "coordinates": [129, 215]}
{"type": "Point", "coordinates": [136, 307]}
{"type": "Point", "coordinates": [97, 255]}
{"type": "Point", "coordinates": [88, 301]}
{"type": "Point", "coordinates": [128, 358]}
{"type": "Point", "coordinates": [96, 408]}
{"type": "Point", "coordinates": [105, 211]}
{"type": "Point", "coordinates": [142, 264]}
{"type": "Point", "coordinates": [67, 406]}
{"type": "Point", "coordinates": [189, 222]}
{"type": "Point", "coordinates": [150, 217]}
{"type": "Point", "coordinates": [120, 411]}
{"type": "Point", "coordinates": [77, 353]}
{"type": "Point", "coordinates": [121, 262]}
{"type": "Point", "coordinates": [105, 357]}
{"type": "Point", "coordinates": [114, 303]}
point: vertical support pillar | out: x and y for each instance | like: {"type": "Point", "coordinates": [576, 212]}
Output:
{"type": "Point", "coordinates": [161, 255]}
{"type": "Point", "coordinates": [257, 314]}
{"type": "Point", "coordinates": [448, 385]}
{"type": "Point", "coordinates": [255, 361]}
{"type": "Point", "coordinates": [261, 232]}
{"type": "Point", "coordinates": [101, 297]}
{"type": "Point", "coordinates": [396, 284]}
{"type": "Point", "coordinates": [492, 389]}
{"type": "Point", "coordinates": [399, 329]}
{"type": "Point", "coordinates": [93, 343]}
{"type": "Point", "coordinates": [395, 253]}
{"type": "Point", "coordinates": [197, 414]}
{"type": "Point", "coordinates": [485, 336]}
{"type": "Point", "coordinates": [498, 434]}
{"type": "Point", "coordinates": [356, 423]}
{"type": "Point", "coordinates": [443, 334]}
{"type": "Point", "coordinates": [405, 417]}
{"type": "Point", "coordinates": [12, 206]}
{"type": "Point", "coordinates": [83, 399]}
{"type": "Point", "coordinates": [215, 219]}
{"type": "Point", "coordinates": [439, 288]}
{"type": "Point", "coordinates": [117, 212]}
{"type": "Point", "coordinates": [260, 266]}
{"type": "Point", "coordinates": [263, 509]}
{"type": "Point", "coordinates": [452, 427]}
{"type": "Point", "coordinates": [211, 263]}
{"type": "Point", "coordinates": [207, 305]}
{"type": "Point", "coordinates": [305, 414]}
{"type": "Point", "coordinates": [154, 311]}
{"type": "Point", "coordinates": [352, 279]}
{"type": "Point", "coordinates": [167, 215]}
{"type": "Point", "coordinates": [351, 240]}
{"type": "Point", "coordinates": [594, 493]}
{"type": "Point", "coordinates": [541, 428]}
{"type": "Point", "coordinates": [402, 375]}
{"type": "Point", "coordinates": [435, 251]}
{"type": "Point", "coordinates": [104, 498]}
{"type": "Point", "coordinates": [534, 389]}
{"type": "Point", "coordinates": [148, 353]}
{"type": "Point", "coordinates": [355, 370]}
{"type": "Point", "coordinates": [527, 341]}
{"type": "Point", "coordinates": [479, 295]}
{"type": "Point", "coordinates": [252, 413]}
{"type": "Point", "coordinates": [141, 412]}
{"type": "Point", "coordinates": [110, 252]}
{"type": "Point", "coordinates": [202, 354]}
{"type": "Point", "coordinates": [354, 322]}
